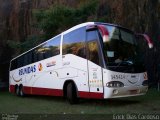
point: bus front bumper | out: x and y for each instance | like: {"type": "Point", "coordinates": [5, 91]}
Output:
{"type": "Point", "coordinates": [125, 91]}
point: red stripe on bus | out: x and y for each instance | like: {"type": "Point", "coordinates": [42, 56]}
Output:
{"type": "Point", "coordinates": [56, 92]}
{"type": "Point", "coordinates": [27, 90]}
{"type": "Point", "coordinates": [83, 94]}
{"type": "Point", "coordinates": [43, 91]}
{"type": "Point", "coordinates": [38, 91]}
{"type": "Point", "coordinates": [12, 88]}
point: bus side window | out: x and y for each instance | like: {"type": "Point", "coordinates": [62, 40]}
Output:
{"type": "Point", "coordinates": [74, 42]}
{"type": "Point", "coordinates": [92, 46]}
{"type": "Point", "coordinates": [52, 47]}
{"type": "Point", "coordinates": [20, 62]}
{"type": "Point", "coordinates": [30, 59]}
{"type": "Point", "coordinates": [14, 64]}
{"type": "Point", "coordinates": [35, 55]}
{"type": "Point", "coordinates": [25, 60]}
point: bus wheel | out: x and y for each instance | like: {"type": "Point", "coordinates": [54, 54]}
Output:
{"type": "Point", "coordinates": [17, 90]}
{"type": "Point", "coordinates": [21, 93]}
{"type": "Point", "coordinates": [72, 93]}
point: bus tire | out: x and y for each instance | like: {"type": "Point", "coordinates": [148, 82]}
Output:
{"type": "Point", "coordinates": [17, 90]}
{"type": "Point", "coordinates": [21, 92]}
{"type": "Point", "coordinates": [72, 93]}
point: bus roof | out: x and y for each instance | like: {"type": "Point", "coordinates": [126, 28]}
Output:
{"type": "Point", "coordinates": [65, 32]}
{"type": "Point", "coordinates": [71, 29]}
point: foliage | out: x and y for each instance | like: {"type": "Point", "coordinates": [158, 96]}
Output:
{"type": "Point", "coordinates": [29, 43]}
{"type": "Point", "coordinates": [53, 21]}
{"type": "Point", "coordinates": [59, 17]}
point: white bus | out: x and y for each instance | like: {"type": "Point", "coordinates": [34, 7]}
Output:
{"type": "Point", "coordinates": [90, 60]}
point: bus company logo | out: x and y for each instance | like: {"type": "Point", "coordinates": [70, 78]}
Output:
{"type": "Point", "coordinates": [132, 78]}
{"type": "Point", "coordinates": [27, 70]}
{"type": "Point", "coordinates": [40, 67]}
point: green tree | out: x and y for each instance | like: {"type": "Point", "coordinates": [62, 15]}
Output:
{"type": "Point", "coordinates": [53, 21]}
{"type": "Point", "coordinates": [59, 17]}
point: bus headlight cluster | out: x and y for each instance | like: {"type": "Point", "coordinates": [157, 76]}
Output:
{"type": "Point", "coordinates": [145, 83]}
{"type": "Point", "coordinates": [115, 84]}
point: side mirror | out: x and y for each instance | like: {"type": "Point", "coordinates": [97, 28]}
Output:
{"type": "Point", "coordinates": [147, 39]}
{"type": "Point", "coordinates": [105, 33]}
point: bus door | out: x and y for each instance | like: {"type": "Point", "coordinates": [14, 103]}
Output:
{"type": "Point", "coordinates": [94, 65]}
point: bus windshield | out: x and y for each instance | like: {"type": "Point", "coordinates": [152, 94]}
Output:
{"type": "Point", "coordinates": [121, 52]}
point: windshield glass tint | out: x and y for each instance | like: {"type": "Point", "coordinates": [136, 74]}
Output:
{"type": "Point", "coordinates": [121, 45]}
{"type": "Point", "coordinates": [121, 52]}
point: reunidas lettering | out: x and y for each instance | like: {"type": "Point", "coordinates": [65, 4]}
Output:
{"type": "Point", "coordinates": [27, 70]}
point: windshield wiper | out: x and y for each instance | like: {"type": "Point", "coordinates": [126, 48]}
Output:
{"type": "Point", "coordinates": [128, 63]}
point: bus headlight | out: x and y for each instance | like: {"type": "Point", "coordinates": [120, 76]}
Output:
{"type": "Point", "coordinates": [115, 84]}
{"type": "Point", "coordinates": [145, 83]}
